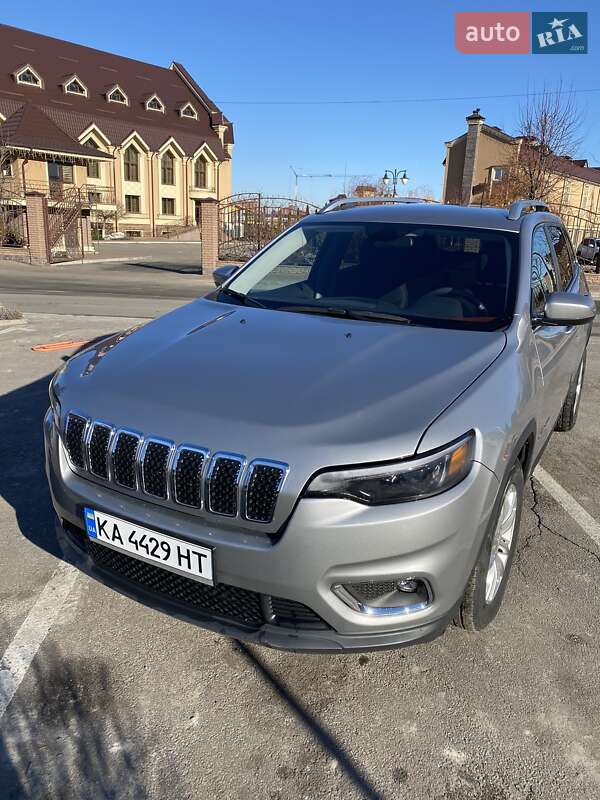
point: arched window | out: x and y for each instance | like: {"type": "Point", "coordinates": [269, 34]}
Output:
{"type": "Point", "coordinates": [167, 169]}
{"type": "Point", "coordinates": [131, 163]}
{"type": "Point", "coordinates": [201, 173]}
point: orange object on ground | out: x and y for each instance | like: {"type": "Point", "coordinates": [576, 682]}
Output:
{"type": "Point", "coordinates": [67, 345]}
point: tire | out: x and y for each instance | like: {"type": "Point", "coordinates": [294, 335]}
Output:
{"type": "Point", "coordinates": [597, 263]}
{"type": "Point", "coordinates": [483, 596]}
{"type": "Point", "coordinates": [568, 413]}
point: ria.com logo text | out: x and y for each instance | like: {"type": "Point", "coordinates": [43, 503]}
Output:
{"type": "Point", "coordinates": [521, 32]}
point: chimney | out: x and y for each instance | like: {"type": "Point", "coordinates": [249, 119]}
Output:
{"type": "Point", "coordinates": [474, 123]}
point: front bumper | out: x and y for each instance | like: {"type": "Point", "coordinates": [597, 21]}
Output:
{"type": "Point", "coordinates": [326, 542]}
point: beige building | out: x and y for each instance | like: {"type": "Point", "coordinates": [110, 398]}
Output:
{"type": "Point", "coordinates": [477, 169]}
{"type": "Point", "coordinates": [137, 145]}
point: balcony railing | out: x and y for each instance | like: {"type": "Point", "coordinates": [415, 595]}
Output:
{"type": "Point", "coordinates": [91, 194]}
{"type": "Point", "coordinates": [202, 189]}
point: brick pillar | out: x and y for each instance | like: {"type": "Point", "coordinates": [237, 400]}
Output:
{"type": "Point", "coordinates": [474, 121]}
{"type": "Point", "coordinates": [209, 226]}
{"type": "Point", "coordinates": [37, 228]}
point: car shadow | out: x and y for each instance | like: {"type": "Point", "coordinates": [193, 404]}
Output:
{"type": "Point", "coordinates": [166, 266]}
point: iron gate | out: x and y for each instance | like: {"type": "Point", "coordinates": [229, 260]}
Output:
{"type": "Point", "coordinates": [248, 221]}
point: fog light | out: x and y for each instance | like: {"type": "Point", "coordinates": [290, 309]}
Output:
{"type": "Point", "coordinates": [408, 585]}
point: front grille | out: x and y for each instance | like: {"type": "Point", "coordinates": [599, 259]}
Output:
{"type": "Point", "coordinates": [226, 602]}
{"type": "Point", "coordinates": [75, 439]}
{"type": "Point", "coordinates": [124, 459]}
{"type": "Point", "coordinates": [223, 485]}
{"type": "Point", "coordinates": [289, 613]}
{"type": "Point", "coordinates": [98, 450]}
{"type": "Point", "coordinates": [263, 491]}
{"type": "Point", "coordinates": [229, 603]}
{"type": "Point", "coordinates": [220, 483]}
{"type": "Point", "coordinates": [154, 468]}
{"type": "Point", "coordinates": [187, 483]}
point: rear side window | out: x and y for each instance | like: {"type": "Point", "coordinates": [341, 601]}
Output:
{"type": "Point", "coordinates": [543, 277]}
{"type": "Point", "coordinates": [564, 254]}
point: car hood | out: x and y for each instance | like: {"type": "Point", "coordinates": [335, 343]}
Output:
{"type": "Point", "coordinates": [285, 386]}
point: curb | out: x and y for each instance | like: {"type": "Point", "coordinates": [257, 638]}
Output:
{"type": "Point", "coordinates": [8, 323]}
{"type": "Point", "coordinates": [151, 241]}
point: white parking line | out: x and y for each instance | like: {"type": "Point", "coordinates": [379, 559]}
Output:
{"type": "Point", "coordinates": [28, 639]}
{"type": "Point", "coordinates": [571, 506]}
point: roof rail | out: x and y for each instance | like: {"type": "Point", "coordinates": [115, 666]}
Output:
{"type": "Point", "coordinates": [340, 202]}
{"type": "Point", "coordinates": [516, 209]}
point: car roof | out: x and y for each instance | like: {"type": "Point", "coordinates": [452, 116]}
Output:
{"type": "Point", "coordinates": [430, 214]}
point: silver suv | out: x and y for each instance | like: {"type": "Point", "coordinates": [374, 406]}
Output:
{"type": "Point", "coordinates": [589, 250]}
{"type": "Point", "coordinates": [328, 453]}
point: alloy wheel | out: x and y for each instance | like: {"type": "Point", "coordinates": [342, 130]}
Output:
{"type": "Point", "coordinates": [501, 543]}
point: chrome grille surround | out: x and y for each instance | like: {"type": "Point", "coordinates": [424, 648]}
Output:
{"type": "Point", "coordinates": [223, 479]}
{"type": "Point", "coordinates": [156, 455]}
{"type": "Point", "coordinates": [126, 474]}
{"type": "Point", "coordinates": [221, 483]}
{"type": "Point", "coordinates": [263, 495]}
{"type": "Point", "coordinates": [189, 467]}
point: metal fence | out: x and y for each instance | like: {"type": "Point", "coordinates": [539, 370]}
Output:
{"type": "Point", "coordinates": [248, 221]}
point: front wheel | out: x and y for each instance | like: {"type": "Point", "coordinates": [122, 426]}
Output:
{"type": "Point", "coordinates": [487, 584]}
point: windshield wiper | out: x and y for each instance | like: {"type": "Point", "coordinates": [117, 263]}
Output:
{"type": "Point", "coordinates": [349, 313]}
{"type": "Point", "coordinates": [242, 298]}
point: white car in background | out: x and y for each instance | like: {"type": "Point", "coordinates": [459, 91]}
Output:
{"type": "Point", "coordinates": [116, 235]}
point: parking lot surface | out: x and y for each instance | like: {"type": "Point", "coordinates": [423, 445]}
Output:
{"type": "Point", "coordinates": [120, 701]}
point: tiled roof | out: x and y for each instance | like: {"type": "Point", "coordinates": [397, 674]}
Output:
{"type": "Point", "coordinates": [29, 127]}
{"type": "Point", "coordinates": [55, 61]}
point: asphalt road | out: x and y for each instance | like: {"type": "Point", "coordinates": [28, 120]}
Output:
{"type": "Point", "coordinates": [149, 279]}
{"type": "Point", "coordinates": [123, 702]}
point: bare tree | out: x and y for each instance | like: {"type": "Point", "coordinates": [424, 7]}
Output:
{"type": "Point", "coordinates": [549, 130]}
{"type": "Point", "coordinates": [109, 216]}
{"type": "Point", "coordinates": [366, 186]}
{"type": "Point", "coordinates": [10, 229]}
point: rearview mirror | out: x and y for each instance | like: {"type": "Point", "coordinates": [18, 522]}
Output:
{"type": "Point", "coordinates": [564, 308]}
{"type": "Point", "coordinates": [222, 274]}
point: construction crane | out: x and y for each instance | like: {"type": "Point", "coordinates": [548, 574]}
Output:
{"type": "Point", "coordinates": [298, 175]}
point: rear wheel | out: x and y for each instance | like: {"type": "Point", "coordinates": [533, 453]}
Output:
{"type": "Point", "coordinates": [597, 263]}
{"type": "Point", "coordinates": [487, 584]}
{"type": "Point", "coordinates": [570, 409]}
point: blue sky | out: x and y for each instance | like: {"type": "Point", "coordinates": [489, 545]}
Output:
{"type": "Point", "coordinates": [319, 51]}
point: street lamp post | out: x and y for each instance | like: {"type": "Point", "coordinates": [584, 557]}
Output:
{"type": "Point", "coordinates": [395, 175]}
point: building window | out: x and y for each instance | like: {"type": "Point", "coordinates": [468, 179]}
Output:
{"type": "Point", "coordinates": [75, 86]}
{"type": "Point", "coordinates": [154, 103]}
{"type": "Point", "coordinates": [117, 95]}
{"type": "Point", "coordinates": [7, 169]}
{"type": "Point", "coordinates": [60, 173]}
{"type": "Point", "coordinates": [498, 173]}
{"type": "Point", "coordinates": [167, 170]}
{"type": "Point", "coordinates": [131, 164]}
{"type": "Point", "coordinates": [93, 167]}
{"type": "Point", "coordinates": [201, 173]}
{"type": "Point", "coordinates": [168, 206]}
{"type": "Point", "coordinates": [188, 110]}
{"type": "Point", "coordinates": [132, 203]}
{"type": "Point", "coordinates": [29, 76]}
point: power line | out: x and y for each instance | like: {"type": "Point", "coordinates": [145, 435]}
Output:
{"type": "Point", "coordinates": [398, 100]}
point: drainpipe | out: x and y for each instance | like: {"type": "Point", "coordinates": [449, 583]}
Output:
{"type": "Point", "coordinates": [186, 191]}
{"type": "Point", "coordinates": [115, 148]}
{"type": "Point", "coordinates": [26, 161]}
{"type": "Point", "coordinates": [152, 193]}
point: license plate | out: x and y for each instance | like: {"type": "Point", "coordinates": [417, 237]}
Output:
{"type": "Point", "coordinates": [191, 560]}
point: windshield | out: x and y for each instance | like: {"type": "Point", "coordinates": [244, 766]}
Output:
{"type": "Point", "coordinates": [422, 274]}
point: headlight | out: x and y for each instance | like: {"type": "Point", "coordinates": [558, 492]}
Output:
{"type": "Point", "coordinates": [413, 479]}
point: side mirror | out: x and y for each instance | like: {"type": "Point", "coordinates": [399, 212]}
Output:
{"type": "Point", "coordinates": [564, 308]}
{"type": "Point", "coordinates": [222, 274]}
